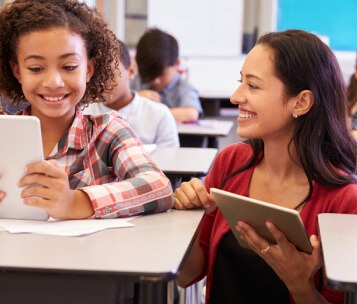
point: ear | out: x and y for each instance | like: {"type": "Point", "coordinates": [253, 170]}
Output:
{"type": "Point", "coordinates": [356, 71]}
{"type": "Point", "coordinates": [15, 70]}
{"type": "Point", "coordinates": [302, 103]}
{"type": "Point", "coordinates": [90, 69]}
{"type": "Point", "coordinates": [131, 72]}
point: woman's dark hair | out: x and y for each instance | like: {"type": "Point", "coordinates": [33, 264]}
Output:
{"type": "Point", "coordinates": [322, 137]}
{"type": "Point", "coordinates": [155, 51]}
{"type": "Point", "coordinates": [352, 93]}
{"type": "Point", "coordinates": [25, 16]}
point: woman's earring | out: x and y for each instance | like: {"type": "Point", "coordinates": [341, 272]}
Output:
{"type": "Point", "coordinates": [295, 115]}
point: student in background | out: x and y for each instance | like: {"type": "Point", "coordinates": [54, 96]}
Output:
{"type": "Point", "coordinates": [352, 99]}
{"type": "Point", "coordinates": [157, 58]}
{"type": "Point", "coordinates": [300, 154]}
{"type": "Point", "coordinates": [57, 56]}
{"type": "Point", "coordinates": [152, 122]}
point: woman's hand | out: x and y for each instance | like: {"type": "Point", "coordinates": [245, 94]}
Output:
{"type": "Point", "coordinates": [193, 194]}
{"type": "Point", "coordinates": [296, 269]}
{"type": "Point", "coordinates": [48, 188]}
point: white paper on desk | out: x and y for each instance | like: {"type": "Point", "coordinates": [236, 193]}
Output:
{"type": "Point", "coordinates": [63, 228]}
{"type": "Point", "coordinates": [150, 148]}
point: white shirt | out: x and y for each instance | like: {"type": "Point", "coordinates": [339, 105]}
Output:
{"type": "Point", "coordinates": [152, 122]}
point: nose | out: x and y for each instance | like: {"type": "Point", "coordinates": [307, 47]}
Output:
{"type": "Point", "coordinates": [238, 97]}
{"type": "Point", "coordinates": [53, 80]}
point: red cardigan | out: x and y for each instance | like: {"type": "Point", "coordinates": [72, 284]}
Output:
{"type": "Point", "coordinates": [214, 226]}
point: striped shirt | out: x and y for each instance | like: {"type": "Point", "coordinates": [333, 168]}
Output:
{"type": "Point", "coordinates": [103, 157]}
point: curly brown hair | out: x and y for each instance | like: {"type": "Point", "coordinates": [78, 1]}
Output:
{"type": "Point", "coordinates": [25, 16]}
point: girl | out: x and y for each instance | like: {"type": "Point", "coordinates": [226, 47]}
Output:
{"type": "Point", "coordinates": [56, 56]}
{"type": "Point", "coordinates": [300, 154]}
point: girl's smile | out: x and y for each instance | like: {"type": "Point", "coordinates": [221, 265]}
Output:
{"type": "Point", "coordinates": [54, 100]}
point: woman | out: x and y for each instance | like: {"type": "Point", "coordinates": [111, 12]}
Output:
{"type": "Point", "coordinates": [299, 154]}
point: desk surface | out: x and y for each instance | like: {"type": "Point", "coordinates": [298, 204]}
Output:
{"type": "Point", "coordinates": [184, 161]}
{"type": "Point", "coordinates": [338, 233]}
{"type": "Point", "coordinates": [155, 247]}
{"type": "Point", "coordinates": [206, 127]}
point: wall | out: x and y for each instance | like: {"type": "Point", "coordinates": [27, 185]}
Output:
{"type": "Point", "coordinates": [337, 20]}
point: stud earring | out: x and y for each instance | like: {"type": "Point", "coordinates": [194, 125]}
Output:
{"type": "Point", "coordinates": [295, 115]}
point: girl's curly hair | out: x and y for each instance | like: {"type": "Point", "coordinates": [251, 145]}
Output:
{"type": "Point", "coordinates": [25, 16]}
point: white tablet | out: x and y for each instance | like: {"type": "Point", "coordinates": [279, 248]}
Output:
{"type": "Point", "coordinates": [21, 144]}
{"type": "Point", "coordinates": [256, 213]}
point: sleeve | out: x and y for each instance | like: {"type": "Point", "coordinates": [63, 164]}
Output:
{"type": "Point", "coordinates": [190, 98]}
{"type": "Point", "coordinates": [140, 188]}
{"type": "Point", "coordinates": [167, 134]}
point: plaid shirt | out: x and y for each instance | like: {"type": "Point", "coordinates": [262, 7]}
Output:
{"type": "Point", "coordinates": [103, 157]}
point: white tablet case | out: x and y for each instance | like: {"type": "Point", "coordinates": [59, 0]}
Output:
{"type": "Point", "coordinates": [236, 208]}
{"type": "Point", "coordinates": [21, 144]}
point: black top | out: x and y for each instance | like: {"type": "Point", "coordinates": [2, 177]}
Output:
{"type": "Point", "coordinates": [242, 276]}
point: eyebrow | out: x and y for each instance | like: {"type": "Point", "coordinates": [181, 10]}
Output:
{"type": "Point", "coordinates": [61, 57]}
{"type": "Point", "coordinates": [251, 76]}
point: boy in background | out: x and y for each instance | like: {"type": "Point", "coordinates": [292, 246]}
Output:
{"type": "Point", "coordinates": [152, 122]}
{"type": "Point", "coordinates": [157, 56]}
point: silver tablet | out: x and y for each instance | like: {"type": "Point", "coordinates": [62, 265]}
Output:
{"type": "Point", "coordinates": [256, 213]}
{"type": "Point", "coordinates": [21, 144]}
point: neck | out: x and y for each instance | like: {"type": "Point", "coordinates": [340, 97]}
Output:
{"type": "Point", "coordinates": [52, 129]}
{"type": "Point", "coordinates": [282, 161]}
{"type": "Point", "coordinates": [121, 102]}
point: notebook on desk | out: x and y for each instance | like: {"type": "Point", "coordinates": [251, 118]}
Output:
{"type": "Point", "coordinates": [21, 144]}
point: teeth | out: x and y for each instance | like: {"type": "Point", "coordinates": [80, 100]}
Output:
{"type": "Point", "coordinates": [53, 98]}
{"type": "Point", "coordinates": [246, 115]}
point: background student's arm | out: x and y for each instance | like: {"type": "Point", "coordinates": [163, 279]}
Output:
{"type": "Point", "coordinates": [189, 107]}
{"type": "Point", "coordinates": [185, 114]}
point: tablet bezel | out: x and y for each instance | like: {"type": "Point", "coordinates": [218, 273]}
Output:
{"type": "Point", "coordinates": [256, 213]}
{"type": "Point", "coordinates": [21, 144]}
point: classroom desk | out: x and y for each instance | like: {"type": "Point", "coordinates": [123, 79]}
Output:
{"type": "Point", "coordinates": [184, 162]}
{"type": "Point", "coordinates": [94, 268]}
{"type": "Point", "coordinates": [338, 234]}
{"type": "Point", "coordinates": [210, 128]}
